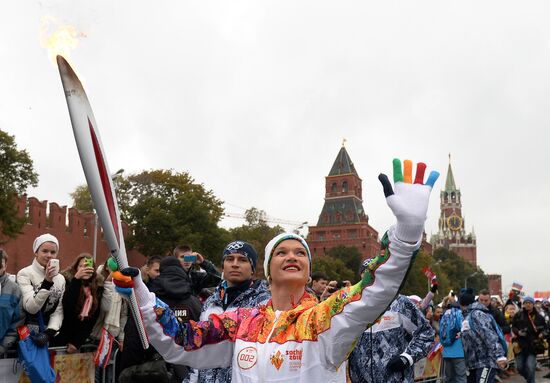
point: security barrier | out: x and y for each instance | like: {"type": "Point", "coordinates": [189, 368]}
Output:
{"type": "Point", "coordinates": [78, 367]}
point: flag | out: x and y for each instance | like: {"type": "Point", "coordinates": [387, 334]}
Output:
{"type": "Point", "coordinates": [517, 286]}
{"type": "Point", "coordinates": [103, 352]}
{"type": "Point", "coordinates": [429, 273]}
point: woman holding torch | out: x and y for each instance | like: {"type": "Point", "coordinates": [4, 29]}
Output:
{"type": "Point", "coordinates": [293, 338]}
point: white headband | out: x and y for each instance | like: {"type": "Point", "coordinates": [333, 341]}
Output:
{"type": "Point", "coordinates": [273, 244]}
{"type": "Point", "coordinates": [44, 238]}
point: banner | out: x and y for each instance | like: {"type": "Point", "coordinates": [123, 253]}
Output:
{"type": "Point", "coordinates": [78, 368]}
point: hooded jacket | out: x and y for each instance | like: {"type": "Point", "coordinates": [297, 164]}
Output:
{"type": "Point", "coordinates": [402, 330]}
{"type": "Point", "coordinates": [480, 339]}
{"type": "Point", "coordinates": [171, 286]}
{"type": "Point", "coordinates": [306, 344]}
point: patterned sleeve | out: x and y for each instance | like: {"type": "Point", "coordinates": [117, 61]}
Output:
{"type": "Point", "coordinates": [486, 332]}
{"type": "Point", "coordinates": [204, 344]}
{"type": "Point", "coordinates": [415, 324]}
{"type": "Point", "coordinates": [342, 318]}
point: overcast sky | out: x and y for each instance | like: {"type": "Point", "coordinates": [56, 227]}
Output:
{"type": "Point", "coordinates": [253, 98]}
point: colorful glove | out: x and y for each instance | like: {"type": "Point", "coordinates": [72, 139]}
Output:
{"type": "Point", "coordinates": [409, 201]}
{"type": "Point", "coordinates": [123, 280]}
{"type": "Point", "coordinates": [397, 364]}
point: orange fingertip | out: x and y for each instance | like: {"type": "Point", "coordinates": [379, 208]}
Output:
{"type": "Point", "coordinates": [121, 277]}
{"type": "Point", "coordinates": [420, 170]}
{"type": "Point", "coordinates": [407, 176]}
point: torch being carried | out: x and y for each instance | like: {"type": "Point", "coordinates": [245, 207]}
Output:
{"type": "Point", "coordinates": [97, 174]}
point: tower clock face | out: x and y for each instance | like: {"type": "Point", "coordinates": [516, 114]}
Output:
{"type": "Point", "coordinates": [454, 222]}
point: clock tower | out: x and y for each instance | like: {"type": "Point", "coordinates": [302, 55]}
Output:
{"type": "Point", "coordinates": [452, 233]}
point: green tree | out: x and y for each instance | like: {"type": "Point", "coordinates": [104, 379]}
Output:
{"type": "Point", "coordinates": [417, 282]}
{"type": "Point", "coordinates": [350, 256]}
{"type": "Point", "coordinates": [257, 232]}
{"type": "Point", "coordinates": [82, 200]}
{"type": "Point", "coordinates": [166, 209]}
{"type": "Point", "coordinates": [460, 271]}
{"type": "Point", "coordinates": [334, 268]}
{"type": "Point", "coordinates": [16, 175]}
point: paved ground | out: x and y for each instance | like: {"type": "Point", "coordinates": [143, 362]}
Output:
{"type": "Point", "coordinates": [519, 379]}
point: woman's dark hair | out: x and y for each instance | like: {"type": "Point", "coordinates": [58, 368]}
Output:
{"type": "Point", "coordinates": [93, 283]}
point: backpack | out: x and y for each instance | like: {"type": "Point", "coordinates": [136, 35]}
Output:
{"type": "Point", "coordinates": [449, 327]}
{"type": "Point", "coordinates": [496, 327]}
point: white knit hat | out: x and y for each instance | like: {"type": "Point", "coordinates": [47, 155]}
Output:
{"type": "Point", "coordinates": [273, 244]}
{"type": "Point", "coordinates": [44, 238]}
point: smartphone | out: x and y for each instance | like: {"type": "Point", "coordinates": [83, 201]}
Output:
{"type": "Point", "coordinates": [88, 262]}
{"type": "Point", "coordinates": [55, 262]}
{"type": "Point", "coordinates": [190, 258]}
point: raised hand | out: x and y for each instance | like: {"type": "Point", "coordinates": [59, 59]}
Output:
{"type": "Point", "coordinates": [409, 200]}
{"type": "Point", "coordinates": [122, 279]}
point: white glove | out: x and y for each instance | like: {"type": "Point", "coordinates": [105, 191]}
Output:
{"type": "Point", "coordinates": [409, 201]}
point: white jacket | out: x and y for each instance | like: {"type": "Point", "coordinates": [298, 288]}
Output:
{"type": "Point", "coordinates": [306, 344]}
{"type": "Point", "coordinates": [33, 297]}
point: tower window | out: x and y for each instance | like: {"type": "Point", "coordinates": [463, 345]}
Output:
{"type": "Point", "coordinates": [334, 187]}
{"type": "Point", "coordinates": [345, 186]}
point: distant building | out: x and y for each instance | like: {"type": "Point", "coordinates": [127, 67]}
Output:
{"type": "Point", "coordinates": [495, 284]}
{"type": "Point", "coordinates": [452, 233]}
{"type": "Point", "coordinates": [343, 221]}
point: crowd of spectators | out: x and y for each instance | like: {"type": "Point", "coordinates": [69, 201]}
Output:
{"type": "Point", "coordinates": [76, 304]}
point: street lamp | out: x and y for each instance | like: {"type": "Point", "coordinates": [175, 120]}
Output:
{"type": "Point", "coordinates": [114, 177]}
{"type": "Point", "coordinates": [468, 277]}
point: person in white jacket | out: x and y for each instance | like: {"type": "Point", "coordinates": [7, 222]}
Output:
{"type": "Point", "coordinates": [42, 288]}
{"type": "Point", "coordinates": [293, 338]}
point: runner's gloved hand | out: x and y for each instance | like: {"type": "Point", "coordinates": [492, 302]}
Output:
{"type": "Point", "coordinates": [409, 200]}
{"type": "Point", "coordinates": [397, 364]}
{"type": "Point", "coordinates": [122, 279]}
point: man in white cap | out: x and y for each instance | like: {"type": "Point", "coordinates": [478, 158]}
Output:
{"type": "Point", "coordinates": [42, 288]}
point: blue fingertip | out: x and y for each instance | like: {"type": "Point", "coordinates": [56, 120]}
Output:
{"type": "Point", "coordinates": [432, 178]}
{"type": "Point", "coordinates": [124, 290]}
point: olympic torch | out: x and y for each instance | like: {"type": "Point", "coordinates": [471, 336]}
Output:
{"type": "Point", "coordinates": [97, 175]}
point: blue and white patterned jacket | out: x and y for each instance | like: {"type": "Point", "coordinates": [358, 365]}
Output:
{"type": "Point", "coordinates": [256, 295]}
{"type": "Point", "coordinates": [480, 339]}
{"type": "Point", "coordinates": [401, 330]}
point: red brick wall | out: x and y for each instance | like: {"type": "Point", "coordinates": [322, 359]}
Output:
{"type": "Point", "coordinates": [468, 252]}
{"type": "Point", "coordinates": [495, 284]}
{"type": "Point", "coordinates": [74, 230]}
{"type": "Point", "coordinates": [363, 237]}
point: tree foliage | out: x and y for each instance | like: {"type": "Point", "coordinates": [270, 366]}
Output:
{"type": "Point", "coordinates": [334, 268]}
{"type": "Point", "coordinates": [257, 232]}
{"type": "Point", "coordinates": [82, 200]}
{"type": "Point", "coordinates": [460, 272]}
{"type": "Point", "coordinates": [350, 256]}
{"type": "Point", "coordinates": [165, 209]}
{"type": "Point", "coordinates": [17, 175]}
{"type": "Point", "coordinates": [451, 271]}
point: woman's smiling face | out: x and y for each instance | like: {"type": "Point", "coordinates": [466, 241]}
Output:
{"type": "Point", "coordinates": [289, 263]}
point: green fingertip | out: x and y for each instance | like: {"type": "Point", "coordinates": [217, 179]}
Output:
{"type": "Point", "coordinates": [397, 171]}
{"type": "Point", "coordinates": [111, 264]}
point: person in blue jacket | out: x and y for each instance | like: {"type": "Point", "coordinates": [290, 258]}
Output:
{"type": "Point", "coordinates": [454, 365]}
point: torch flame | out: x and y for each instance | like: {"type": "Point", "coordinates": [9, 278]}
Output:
{"type": "Point", "coordinates": [58, 39]}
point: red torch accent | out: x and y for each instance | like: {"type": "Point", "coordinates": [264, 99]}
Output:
{"type": "Point", "coordinates": [105, 182]}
